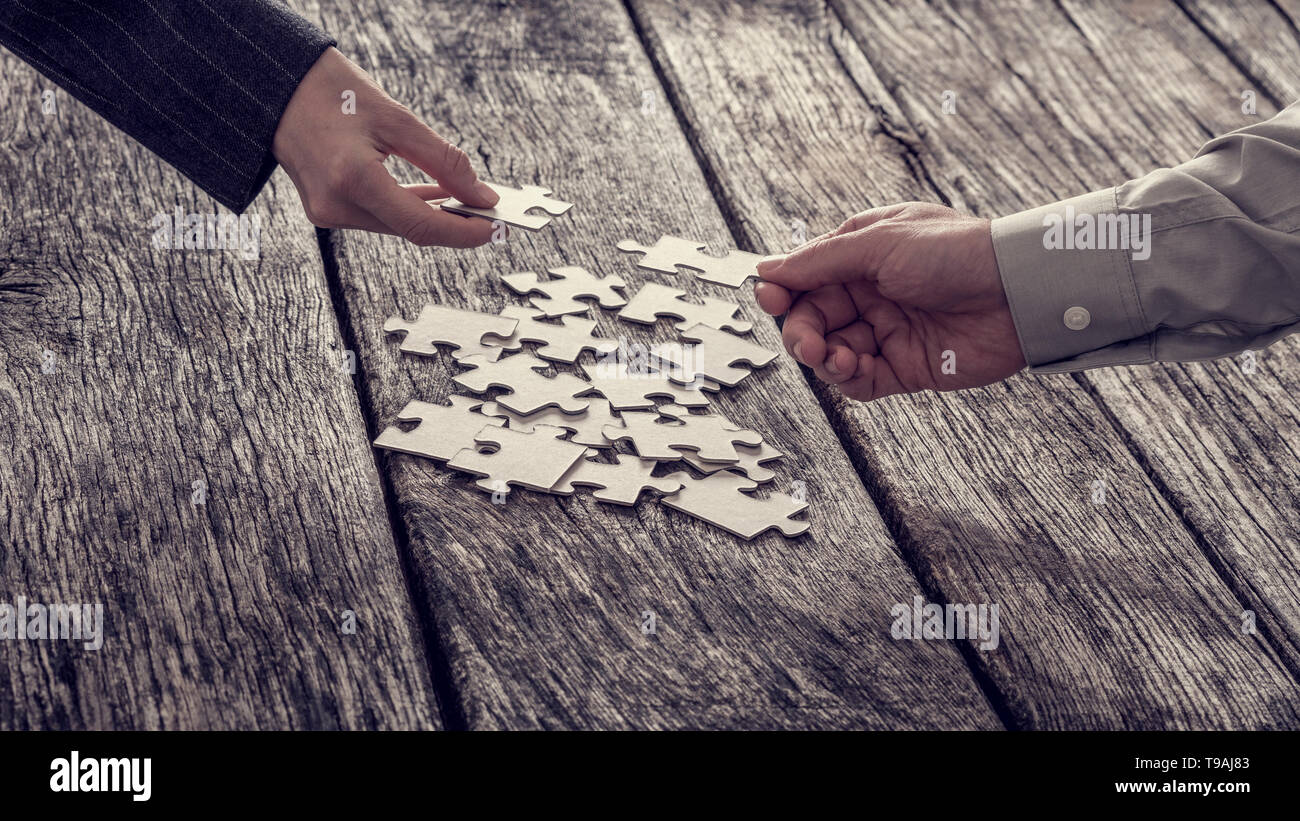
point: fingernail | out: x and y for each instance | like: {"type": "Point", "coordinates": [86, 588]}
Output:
{"type": "Point", "coordinates": [830, 367]}
{"type": "Point", "coordinates": [486, 193]}
{"type": "Point", "coordinates": [798, 351]}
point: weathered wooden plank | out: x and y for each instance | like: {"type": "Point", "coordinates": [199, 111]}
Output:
{"type": "Point", "coordinates": [1260, 40]}
{"type": "Point", "coordinates": [1231, 458]}
{"type": "Point", "coordinates": [1113, 617]}
{"type": "Point", "coordinates": [170, 368]}
{"type": "Point", "coordinates": [541, 601]}
{"type": "Point", "coordinates": [1220, 442]}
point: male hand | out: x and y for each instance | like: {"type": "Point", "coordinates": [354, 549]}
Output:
{"type": "Point", "coordinates": [874, 305]}
{"type": "Point", "coordinates": [336, 160]}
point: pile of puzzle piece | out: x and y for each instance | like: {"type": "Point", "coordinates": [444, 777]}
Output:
{"type": "Point", "coordinates": [556, 434]}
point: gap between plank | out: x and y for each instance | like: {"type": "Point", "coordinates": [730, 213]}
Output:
{"type": "Point", "coordinates": [1241, 67]}
{"type": "Point", "coordinates": [1180, 510]}
{"type": "Point", "coordinates": [447, 704]}
{"type": "Point", "coordinates": [888, 512]}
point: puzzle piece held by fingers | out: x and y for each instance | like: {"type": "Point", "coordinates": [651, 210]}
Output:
{"type": "Point", "coordinates": [669, 253]}
{"type": "Point", "coordinates": [751, 461]}
{"type": "Point", "coordinates": [561, 292]}
{"type": "Point", "coordinates": [655, 300]}
{"type": "Point", "coordinates": [620, 484]}
{"type": "Point", "coordinates": [561, 343]}
{"type": "Point", "coordinates": [530, 391]}
{"type": "Point", "coordinates": [462, 330]}
{"type": "Point", "coordinates": [714, 356]}
{"type": "Point", "coordinates": [514, 205]}
{"type": "Point", "coordinates": [443, 430]}
{"type": "Point", "coordinates": [710, 436]}
{"type": "Point", "coordinates": [536, 460]}
{"type": "Point", "coordinates": [626, 388]}
{"type": "Point", "coordinates": [586, 426]}
{"type": "Point", "coordinates": [718, 500]}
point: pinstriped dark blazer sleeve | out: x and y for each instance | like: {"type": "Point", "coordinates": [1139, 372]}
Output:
{"type": "Point", "coordinates": [201, 83]}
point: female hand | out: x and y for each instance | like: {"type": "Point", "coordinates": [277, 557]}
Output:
{"type": "Point", "coordinates": [336, 160]}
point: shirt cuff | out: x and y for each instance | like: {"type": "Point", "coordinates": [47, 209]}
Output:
{"type": "Point", "coordinates": [1074, 304]}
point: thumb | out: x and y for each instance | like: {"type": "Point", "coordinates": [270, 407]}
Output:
{"type": "Point", "coordinates": [826, 261]}
{"type": "Point", "coordinates": [407, 136]}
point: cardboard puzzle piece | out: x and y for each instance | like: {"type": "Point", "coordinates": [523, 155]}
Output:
{"type": "Point", "coordinates": [626, 389]}
{"type": "Point", "coordinates": [718, 500]}
{"type": "Point", "coordinates": [750, 464]}
{"type": "Point", "coordinates": [620, 483]}
{"type": "Point", "coordinates": [536, 460]}
{"type": "Point", "coordinates": [710, 436]}
{"type": "Point", "coordinates": [444, 430]}
{"type": "Point", "coordinates": [655, 300]}
{"type": "Point", "coordinates": [530, 391]}
{"type": "Point", "coordinates": [586, 426]}
{"type": "Point", "coordinates": [462, 330]}
{"type": "Point", "coordinates": [560, 293]}
{"type": "Point", "coordinates": [562, 342]}
{"type": "Point", "coordinates": [514, 205]}
{"type": "Point", "coordinates": [714, 356]}
{"type": "Point", "coordinates": [669, 253]}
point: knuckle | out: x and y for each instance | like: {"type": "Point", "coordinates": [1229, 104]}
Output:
{"type": "Point", "coordinates": [455, 161]}
{"type": "Point", "coordinates": [420, 232]}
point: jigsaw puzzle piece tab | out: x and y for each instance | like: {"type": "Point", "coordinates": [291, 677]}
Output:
{"type": "Point", "coordinates": [537, 460]}
{"type": "Point", "coordinates": [719, 500]}
{"type": "Point", "coordinates": [655, 300]}
{"type": "Point", "coordinates": [444, 430]}
{"type": "Point", "coordinates": [560, 293]}
{"type": "Point", "coordinates": [620, 483]}
{"type": "Point", "coordinates": [462, 330]}
{"type": "Point", "coordinates": [530, 391]}
{"type": "Point", "coordinates": [514, 205]}
{"type": "Point", "coordinates": [562, 342]}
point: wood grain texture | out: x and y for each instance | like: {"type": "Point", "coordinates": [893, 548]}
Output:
{"type": "Point", "coordinates": [541, 602]}
{"type": "Point", "coordinates": [173, 367]}
{"type": "Point", "coordinates": [1113, 617]}
{"type": "Point", "coordinates": [1221, 444]}
{"type": "Point", "coordinates": [1259, 38]}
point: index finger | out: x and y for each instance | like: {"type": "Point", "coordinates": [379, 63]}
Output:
{"type": "Point", "coordinates": [409, 138]}
{"type": "Point", "coordinates": [413, 219]}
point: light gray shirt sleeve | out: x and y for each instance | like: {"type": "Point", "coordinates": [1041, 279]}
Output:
{"type": "Point", "coordinates": [1187, 263]}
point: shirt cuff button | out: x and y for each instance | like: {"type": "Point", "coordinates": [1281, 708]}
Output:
{"type": "Point", "coordinates": [1076, 318]}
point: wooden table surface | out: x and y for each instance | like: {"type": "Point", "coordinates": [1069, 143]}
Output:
{"type": "Point", "coordinates": [725, 121]}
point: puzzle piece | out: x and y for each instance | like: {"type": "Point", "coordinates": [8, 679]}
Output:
{"type": "Point", "coordinates": [561, 292]}
{"type": "Point", "coordinates": [561, 343]}
{"type": "Point", "coordinates": [670, 252]}
{"type": "Point", "coordinates": [537, 460]}
{"type": "Point", "coordinates": [626, 389]}
{"type": "Point", "coordinates": [514, 205]}
{"type": "Point", "coordinates": [620, 483]}
{"type": "Point", "coordinates": [751, 460]}
{"type": "Point", "coordinates": [443, 431]}
{"type": "Point", "coordinates": [586, 426]}
{"type": "Point", "coordinates": [718, 500]}
{"type": "Point", "coordinates": [530, 391]}
{"type": "Point", "coordinates": [710, 436]}
{"type": "Point", "coordinates": [714, 356]}
{"type": "Point", "coordinates": [462, 330]}
{"type": "Point", "coordinates": [654, 300]}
